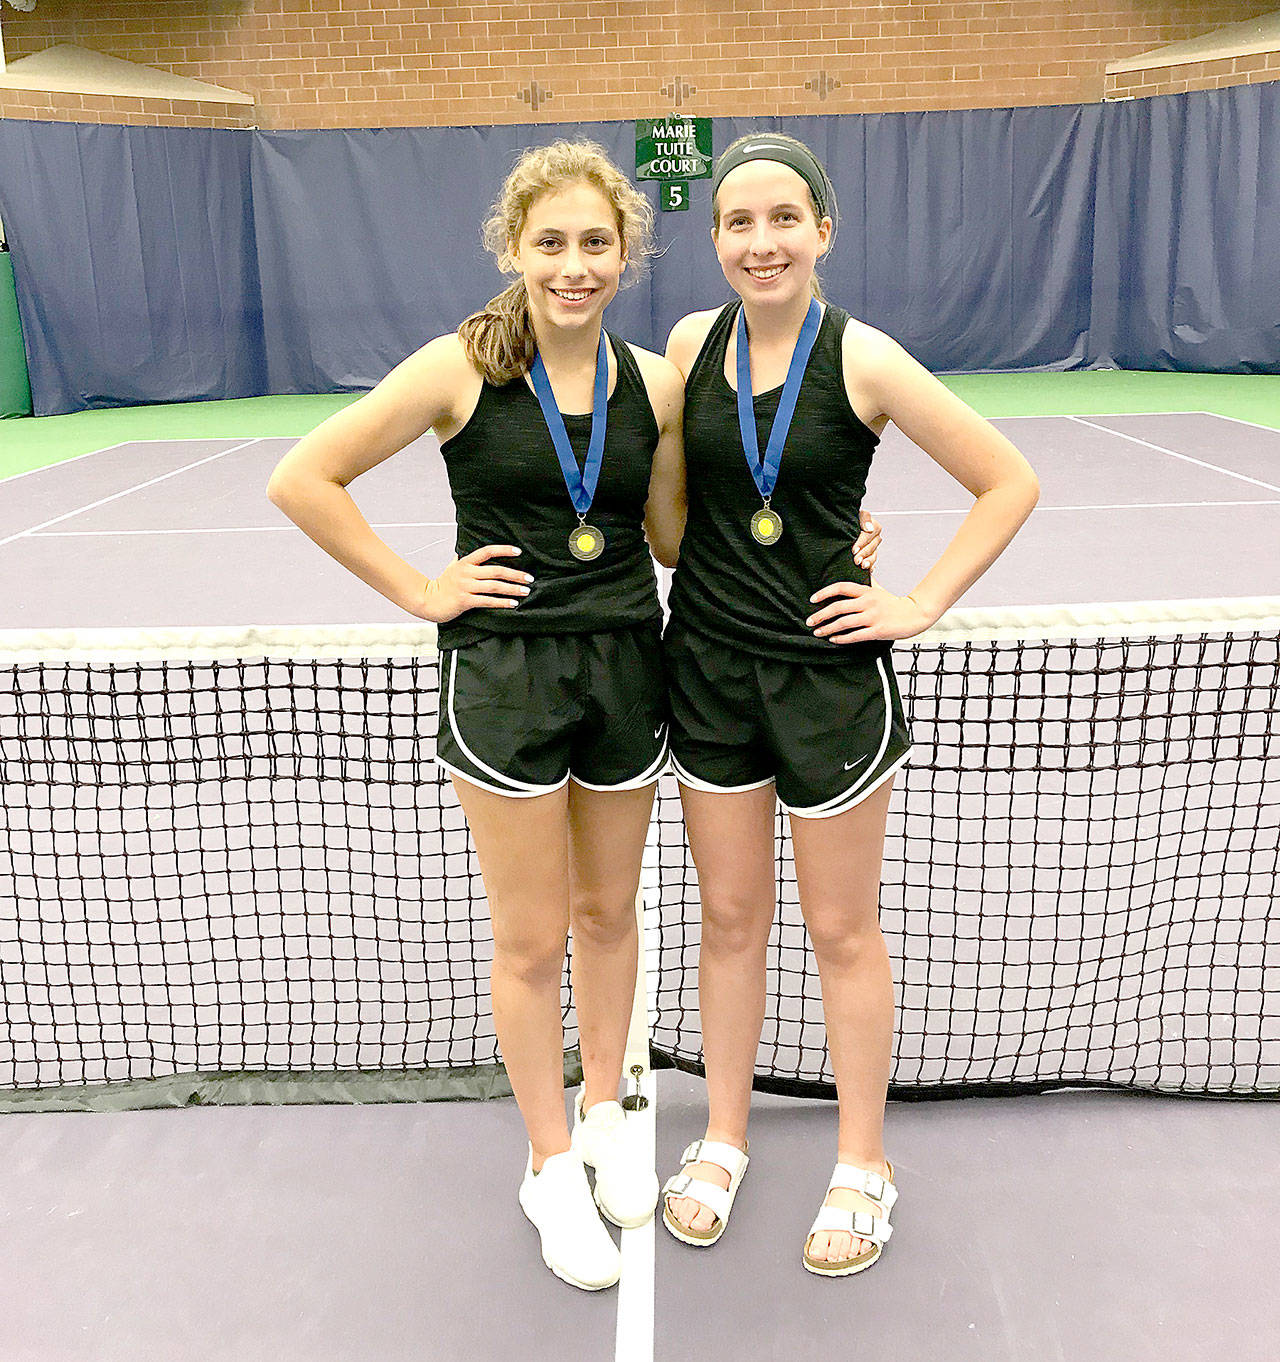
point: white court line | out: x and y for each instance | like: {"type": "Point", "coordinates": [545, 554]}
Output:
{"type": "Point", "coordinates": [120, 444]}
{"type": "Point", "coordinates": [44, 468]}
{"type": "Point", "coordinates": [1173, 454]}
{"type": "Point", "coordinates": [633, 1337]}
{"type": "Point", "coordinates": [449, 524]}
{"type": "Point", "coordinates": [1239, 420]}
{"type": "Point", "coordinates": [1116, 415]}
{"type": "Point", "coordinates": [229, 529]}
{"type": "Point", "coordinates": [1116, 506]}
{"type": "Point", "coordinates": [128, 491]}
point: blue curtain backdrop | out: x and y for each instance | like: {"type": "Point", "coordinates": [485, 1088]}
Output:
{"type": "Point", "coordinates": [134, 263]}
{"type": "Point", "coordinates": [168, 264]}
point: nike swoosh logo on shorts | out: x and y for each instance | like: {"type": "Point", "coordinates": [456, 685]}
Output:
{"type": "Point", "coordinates": [849, 765]}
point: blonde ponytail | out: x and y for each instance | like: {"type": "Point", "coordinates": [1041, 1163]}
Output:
{"type": "Point", "coordinates": [499, 338]}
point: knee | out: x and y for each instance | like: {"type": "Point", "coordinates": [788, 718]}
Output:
{"type": "Point", "coordinates": [735, 924]}
{"type": "Point", "coordinates": [534, 959]}
{"type": "Point", "coordinates": [603, 922]}
{"type": "Point", "coordinates": [843, 940]}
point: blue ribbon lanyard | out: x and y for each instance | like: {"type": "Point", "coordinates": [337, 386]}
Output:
{"type": "Point", "coordinates": [766, 473]}
{"type": "Point", "coordinates": [582, 486]}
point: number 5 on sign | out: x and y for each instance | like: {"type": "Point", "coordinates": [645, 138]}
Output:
{"type": "Point", "coordinates": [674, 198]}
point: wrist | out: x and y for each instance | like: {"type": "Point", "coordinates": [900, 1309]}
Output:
{"type": "Point", "coordinates": [420, 599]}
{"type": "Point", "coordinates": [927, 608]}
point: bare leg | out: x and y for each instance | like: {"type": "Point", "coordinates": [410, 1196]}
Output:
{"type": "Point", "coordinates": [607, 830]}
{"type": "Point", "coordinates": [523, 846]}
{"type": "Point", "coordinates": [731, 837]}
{"type": "Point", "coordinates": [838, 862]}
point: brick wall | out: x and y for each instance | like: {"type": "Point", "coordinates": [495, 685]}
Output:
{"type": "Point", "coordinates": [321, 63]}
{"type": "Point", "coordinates": [1199, 75]}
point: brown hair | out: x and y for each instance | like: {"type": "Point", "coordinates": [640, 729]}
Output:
{"type": "Point", "coordinates": [815, 283]}
{"type": "Point", "coordinates": [499, 339]}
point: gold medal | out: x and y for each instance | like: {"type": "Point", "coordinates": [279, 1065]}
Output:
{"type": "Point", "coordinates": [586, 542]}
{"type": "Point", "coordinates": [766, 525]}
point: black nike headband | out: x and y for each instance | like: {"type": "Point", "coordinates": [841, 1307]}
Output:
{"type": "Point", "coordinates": [766, 148]}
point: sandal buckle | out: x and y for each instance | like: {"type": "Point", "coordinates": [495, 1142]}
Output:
{"type": "Point", "coordinates": [679, 1185]}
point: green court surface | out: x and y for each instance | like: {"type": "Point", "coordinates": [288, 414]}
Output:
{"type": "Point", "coordinates": [35, 442]}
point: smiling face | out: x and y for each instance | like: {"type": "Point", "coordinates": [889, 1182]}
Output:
{"type": "Point", "coordinates": [571, 254]}
{"type": "Point", "coordinates": [767, 235]}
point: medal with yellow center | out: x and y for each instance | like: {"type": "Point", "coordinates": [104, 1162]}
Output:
{"type": "Point", "coordinates": [586, 542]}
{"type": "Point", "coordinates": [766, 525]}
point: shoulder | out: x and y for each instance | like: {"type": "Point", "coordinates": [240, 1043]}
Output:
{"type": "Point", "coordinates": [886, 382]}
{"type": "Point", "coordinates": [867, 348]}
{"type": "Point", "coordinates": [688, 336]}
{"type": "Point", "coordinates": [441, 366]}
{"type": "Point", "coordinates": [445, 356]}
{"type": "Point", "coordinates": [873, 367]}
{"type": "Point", "coordinates": [437, 381]}
{"type": "Point", "coordinates": [663, 382]}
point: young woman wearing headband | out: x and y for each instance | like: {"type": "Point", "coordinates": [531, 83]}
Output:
{"type": "Point", "coordinates": [562, 445]}
{"type": "Point", "coordinates": [778, 662]}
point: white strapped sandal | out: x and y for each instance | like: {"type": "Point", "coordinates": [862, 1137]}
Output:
{"type": "Point", "coordinates": [881, 1193]}
{"type": "Point", "coordinates": [718, 1200]}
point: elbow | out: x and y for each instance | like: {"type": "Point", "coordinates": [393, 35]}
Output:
{"type": "Point", "coordinates": [286, 487]}
{"type": "Point", "coordinates": [1032, 492]}
{"type": "Point", "coordinates": [277, 489]}
{"type": "Point", "coordinates": [1021, 491]}
{"type": "Point", "coordinates": [666, 552]}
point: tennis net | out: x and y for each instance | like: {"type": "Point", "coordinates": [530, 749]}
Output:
{"type": "Point", "coordinates": [230, 870]}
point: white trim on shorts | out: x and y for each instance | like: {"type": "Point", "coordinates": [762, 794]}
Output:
{"type": "Point", "coordinates": [520, 789]}
{"type": "Point", "coordinates": [858, 791]}
{"type": "Point", "coordinates": [497, 789]}
{"type": "Point", "coordinates": [851, 796]}
{"type": "Point", "coordinates": [651, 773]}
{"type": "Point", "coordinates": [706, 786]}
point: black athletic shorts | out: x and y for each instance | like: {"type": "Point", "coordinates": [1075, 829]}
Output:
{"type": "Point", "coordinates": [520, 714]}
{"type": "Point", "coordinates": [827, 733]}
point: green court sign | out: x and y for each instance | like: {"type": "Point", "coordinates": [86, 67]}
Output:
{"type": "Point", "coordinates": [673, 149]}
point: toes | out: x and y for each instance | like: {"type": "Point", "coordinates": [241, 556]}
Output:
{"type": "Point", "coordinates": [835, 1247]}
{"type": "Point", "coordinates": [693, 1215]}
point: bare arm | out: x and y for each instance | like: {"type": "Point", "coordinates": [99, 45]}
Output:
{"type": "Point", "coordinates": [884, 379]}
{"type": "Point", "coordinates": [665, 508]}
{"type": "Point", "coordinates": [309, 485]}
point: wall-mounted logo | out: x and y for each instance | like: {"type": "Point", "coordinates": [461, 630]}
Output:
{"type": "Point", "coordinates": [821, 85]}
{"type": "Point", "coordinates": [678, 90]}
{"type": "Point", "coordinates": [535, 95]}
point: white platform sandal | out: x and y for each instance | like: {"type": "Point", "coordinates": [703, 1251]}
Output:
{"type": "Point", "coordinates": [718, 1200]}
{"type": "Point", "coordinates": [881, 1193]}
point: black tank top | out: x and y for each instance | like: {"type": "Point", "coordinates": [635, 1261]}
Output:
{"type": "Point", "coordinates": [730, 587]}
{"type": "Point", "coordinates": [508, 489]}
